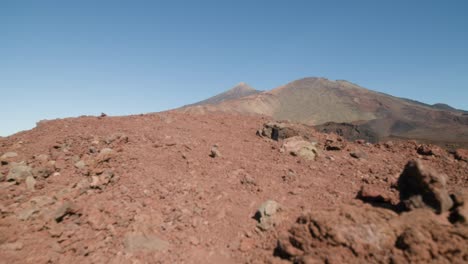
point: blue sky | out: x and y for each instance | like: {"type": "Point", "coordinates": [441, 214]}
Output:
{"type": "Point", "coordinates": [71, 58]}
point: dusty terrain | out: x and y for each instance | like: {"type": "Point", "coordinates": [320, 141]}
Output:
{"type": "Point", "coordinates": [316, 101]}
{"type": "Point", "coordinates": [223, 188]}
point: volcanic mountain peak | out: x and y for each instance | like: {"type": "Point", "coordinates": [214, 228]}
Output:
{"type": "Point", "coordinates": [242, 89]}
{"type": "Point", "coordinates": [316, 101]}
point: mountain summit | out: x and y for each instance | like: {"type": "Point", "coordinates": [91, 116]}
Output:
{"type": "Point", "coordinates": [242, 89]}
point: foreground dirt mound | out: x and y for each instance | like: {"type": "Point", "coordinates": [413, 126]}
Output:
{"type": "Point", "coordinates": [185, 188]}
{"type": "Point", "coordinates": [363, 234]}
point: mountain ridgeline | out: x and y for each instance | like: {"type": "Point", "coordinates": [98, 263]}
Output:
{"type": "Point", "coordinates": [345, 108]}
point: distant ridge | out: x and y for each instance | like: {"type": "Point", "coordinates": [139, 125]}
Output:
{"type": "Point", "coordinates": [332, 104]}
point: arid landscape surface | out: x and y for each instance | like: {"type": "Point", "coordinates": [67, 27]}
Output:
{"type": "Point", "coordinates": [217, 132]}
{"type": "Point", "coordinates": [218, 187]}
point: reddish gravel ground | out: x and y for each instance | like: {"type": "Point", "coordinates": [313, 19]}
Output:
{"type": "Point", "coordinates": [144, 189]}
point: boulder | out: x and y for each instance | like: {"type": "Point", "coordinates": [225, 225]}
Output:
{"type": "Point", "coordinates": [277, 131]}
{"type": "Point", "coordinates": [297, 146]}
{"type": "Point", "coordinates": [266, 214]}
{"type": "Point", "coordinates": [19, 172]}
{"type": "Point", "coordinates": [422, 187]}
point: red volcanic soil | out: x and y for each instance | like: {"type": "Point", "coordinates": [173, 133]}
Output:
{"type": "Point", "coordinates": [154, 189]}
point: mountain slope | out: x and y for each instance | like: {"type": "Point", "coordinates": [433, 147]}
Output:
{"type": "Point", "coordinates": [317, 101]}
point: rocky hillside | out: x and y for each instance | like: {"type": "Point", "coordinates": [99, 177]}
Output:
{"type": "Point", "coordinates": [317, 101]}
{"type": "Point", "coordinates": [221, 188]}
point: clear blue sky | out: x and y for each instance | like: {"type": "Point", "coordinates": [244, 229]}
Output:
{"type": "Point", "coordinates": [71, 58]}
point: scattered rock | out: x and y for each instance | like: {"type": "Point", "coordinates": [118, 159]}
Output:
{"type": "Point", "coordinates": [358, 154]}
{"type": "Point", "coordinates": [141, 242]}
{"type": "Point", "coordinates": [14, 246]}
{"type": "Point", "coordinates": [42, 158]}
{"type": "Point", "coordinates": [389, 144]}
{"type": "Point", "coordinates": [67, 208]}
{"type": "Point", "coordinates": [194, 240]}
{"type": "Point", "coordinates": [425, 150]}
{"type": "Point", "coordinates": [429, 150]}
{"type": "Point", "coordinates": [27, 213]}
{"type": "Point", "coordinates": [459, 212]}
{"type": "Point", "coordinates": [290, 176]}
{"type": "Point", "coordinates": [34, 206]}
{"type": "Point", "coordinates": [82, 186]}
{"type": "Point", "coordinates": [116, 138]}
{"type": "Point", "coordinates": [335, 143]}
{"type": "Point", "coordinates": [80, 164]}
{"type": "Point", "coordinates": [97, 219]}
{"type": "Point", "coordinates": [19, 172]}
{"type": "Point", "coordinates": [8, 155]}
{"type": "Point", "coordinates": [43, 171]}
{"type": "Point", "coordinates": [30, 183]}
{"type": "Point", "coordinates": [421, 187]}
{"type": "Point", "coordinates": [266, 215]}
{"type": "Point", "coordinates": [297, 146]}
{"type": "Point", "coordinates": [248, 180]}
{"type": "Point", "coordinates": [41, 201]}
{"type": "Point", "coordinates": [95, 182]}
{"type": "Point", "coordinates": [214, 153]}
{"type": "Point", "coordinates": [99, 181]}
{"type": "Point", "coordinates": [105, 155]}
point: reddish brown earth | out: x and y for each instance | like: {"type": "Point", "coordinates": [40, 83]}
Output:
{"type": "Point", "coordinates": [154, 189]}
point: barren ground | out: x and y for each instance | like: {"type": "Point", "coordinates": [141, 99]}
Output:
{"type": "Point", "coordinates": [155, 195]}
